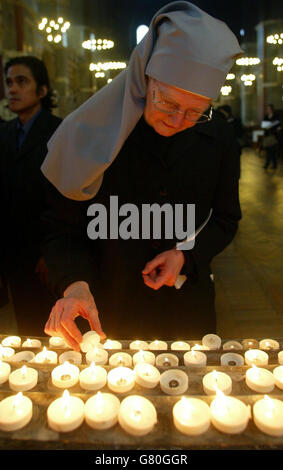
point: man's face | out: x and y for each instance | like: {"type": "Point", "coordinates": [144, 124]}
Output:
{"type": "Point", "coordinates": [22, 89]}
{"type": "Point", "coordinates": [169, 124]}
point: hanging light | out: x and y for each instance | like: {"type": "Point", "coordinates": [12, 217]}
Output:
{"type": "Point", "coordinates": [279, 63]}
{"type": "Point", "coordinates": [226, 90]}
{"type": "Point", "coordinates": [107, 66]}
{"type": "Point", "coordinates": [52, 28]}
{"type": "Point", "coordinates": [246, 61]}
{"type": "Point", "coordinates": [275, 38]}
{"type": "Point", "coordinates": [94, 44]}
{"type": "Point", "coordinates": [230, 76]}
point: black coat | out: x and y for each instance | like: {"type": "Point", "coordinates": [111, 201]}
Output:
{"type": "Point", "coordinates": [198, 166]}
{"type": "Point", "coordinates": [22, 201]}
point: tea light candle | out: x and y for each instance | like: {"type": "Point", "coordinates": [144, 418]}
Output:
{"type": "Point", "coordinates": [256, 357]}
{"type": "Point", "coordinates": [65, 375]}
{"type": "Point", "coordinates": [97, 355]}
{"type": "Point", "coordinates": [58, 342]}
{"type": "Point", "coordinates": [174, 382]}
{"type": "Point", "coordinates": [93, 377]}
{"type": "Point", "coordinates": [212, 341]}
{"type": "Point", "coordinates": [250, 344]}
{"type": "Point", "coordinates": [180, 346]}
{"type": "Point", "coordinates": [31, 343]}
{"type": "Point", "coordinates": [232, 359]}
{"type": "Point", "coordinates": [12, 342]}
{"type": "Point", "coordinates": [158, 345]}
{"type": "Point", "coordinates": [6, 353]}
{"type": "Point", "coordinates": [101, 411]}
{"type": "Point", "coordinates": [147, 375]}
{"type": "Point", "coordinates": [5, 370]}
{"type": "Point", "coordinates": [144, 356]}
{"type": "Point", "coordinates": [166, 360]}
{"type": "Point", "coordinates": [217, 380]}
{"type": "Point", "coordinates": [278, 376]}
{"type": "Point", "coordinates": [260, 380]}
{"type": "Point", "coordinates": [137, 415]}
{"type": "Point", "coordinates": [121, 359]}
{"type": "Point", "coordinates": [46, 357]}
{"type": "Point", "coordinates": [232, 345]}
{"type": "Point", "coordinates": [23, 379]}
{"type": "Point", "coordinates": [121, 379]}
{"type": "Point", "coordinates": [228, 414]}
{"type": "Point", "coordinates": [280, 357]}
{"type": "Point", "coordinates": [23, 356]}
{"type": "Point", "coordinates": [112, 344]}
{"type": "Point", "coordinates": [199, 347]}
{"type": "Point", "coordinates": [268, 416]}
{"type": "Point", "coordinates": [269, 344]}
{"type": "Point", "coordinates": [89, 341]}
{"type": "Point", "coordinates": [195, 358]}
{"type": "Point", "coordinates": [65, 413]}
{"type": "Point", "coordinates": [138, 345]}
{"type": "Point", "coordinates": [15, 412]}
{"type": "Point", "coordinates": [73, 357]}
{"type": "Point", "coordinates": [191, 416]}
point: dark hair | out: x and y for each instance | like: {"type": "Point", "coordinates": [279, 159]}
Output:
{"type": "Point", "coordinates": [226, 108]}
{"type": "Point", "coordinates": [40, 75]}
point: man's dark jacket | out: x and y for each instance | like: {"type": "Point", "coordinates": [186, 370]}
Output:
{"type": "Point", "coordinates": [22, 202]}
{"type": "Point", "coordinates": [197, 166]}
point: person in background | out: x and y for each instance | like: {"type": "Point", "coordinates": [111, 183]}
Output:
{"type": "Point", "coordinates": [235, 124]}
{"type": "Point", "coordinates": [271, 137]}
{"type": "Point", "coordinates": [23, 148]}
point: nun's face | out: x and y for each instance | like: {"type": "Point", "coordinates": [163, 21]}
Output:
{"type": "Point", "coordinates": [169, 97]}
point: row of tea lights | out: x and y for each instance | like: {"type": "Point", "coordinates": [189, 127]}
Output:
{"type": "Point", "coordinates": [137, 415]}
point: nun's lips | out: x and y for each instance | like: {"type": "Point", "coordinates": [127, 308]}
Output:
{"type": "Point", "coordinates": [167, 125]}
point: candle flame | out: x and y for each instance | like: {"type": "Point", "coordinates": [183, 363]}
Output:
{"type": "Point", "coordinates": [29, 342]}
{"type": "Point", "coordinates": [270, 406]}
{"type": "Point", "coordinates": [23, 371]}
{"type": "Point", "coordinates": [17, 401]}
{"type": "Point", "coordinates": [136, 413]}
{"type": "Point", "coordinates": [66, 403]}
{"type": "Point", "coordinates": [187, 407]}
{"type": "Point", "coordinates": [196, 346]}
{"type": "Point", "coordinates": [99, 402]}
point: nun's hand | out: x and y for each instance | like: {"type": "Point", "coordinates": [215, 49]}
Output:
{"type": "Point", "coordinates": [164, 269]}
{"type": "Point", "coordinates": [77, 301]}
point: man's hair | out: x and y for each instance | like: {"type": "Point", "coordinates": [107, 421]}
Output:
{"type": "Point", "coordinates": [40, 75]}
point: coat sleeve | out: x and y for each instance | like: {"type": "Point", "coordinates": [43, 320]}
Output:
{"type": "Point", "coordinates": [223, 224]}
{"type": "Point", "coordinates": [65, 245]}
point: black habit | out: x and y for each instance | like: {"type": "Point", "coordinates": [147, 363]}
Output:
{"type": "Point", "coordinates": [22, 200]}
{"type": "Point", "coordinates": [197, 166]}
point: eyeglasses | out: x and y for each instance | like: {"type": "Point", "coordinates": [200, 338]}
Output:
{"type": "Point", "coordinates": [190, 115]}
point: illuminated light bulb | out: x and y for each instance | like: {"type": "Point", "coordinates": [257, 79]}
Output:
{"type": "Point", "coordinates": [44, 20]}
{"type": "Point", "coordinates": [52, 23]}
{"type": "Point", "coordinates": [41, 26]}
{"type": "Point", "coordinates": [109, 80]}
{"type": "Point", "coordinates": [60, 20]}
{"type": "Point", "coordinates": [48, 30]}
{"type": "Point", "coordinates": [50, 38]}
{"type": "Point", "coordinates": [230, 76]}
{"type": "Point", "coordinates": [56, 26]}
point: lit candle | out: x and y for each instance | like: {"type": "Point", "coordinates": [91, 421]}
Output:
{"type": "Point", "coordinates": [191, 416]}
{"type": "Point", "coordinates": [112, 344]}
{"type": "Point", "coordinates": [211, 341]}
{"type": "Point", "coordinates": [21, 380]}
{"type": "Point", "coordinates": [23, 356]}
{"type": "Point", "coordinates": [144, 356]}
{"type": "Point", "coordinates": [121, 359]}
{"type": "Point", "coordinates": [58, 342]}
{"type": "Point", "coordinates": [137, 415]}
{"type": "Point", "coordinates": [268, 416]}
{"type": "Point", "coordinates": [199, 347]}
{"type": "Point", "coordinates": [97, 355]}
{"type": "Point", "coordinates": [280, 357]}
{"type": "Point", "coordinates": [12, 342]}
{"type": "Point", "coordinates": [256, 357]}
{"type": "Point", "coordinates": [138, 345]}
{"type": "Point", "coordinates": [31, 343]}
{"type": "Point", "coordinates": [101, 410]}
{"type": "Point", "coordinates": [250, 344]}
{"type": "Point", "coordinates": [46, 357]}
{"type": "Point", "coordinates": [65, 413]}
{"type": "Point", "coordinates": [5, 370]}
{"type": "Point", "coordinates": [278, 376]}
{"type": "Point", "coordinates": [232, 345]}
{"type": "Point", "coordinates": [228, 414]}
{"type": "Point", "coordinates": [158, 345]}
{"type": "Point", "coordinates": [74, 357]}
{"type": "Point", "coordinates": [166, 360]}
{"type": "Point", "coordinates": [195, 358]}
{"type": "Point", "coordinates": [180, 346]}
{"type": "Point", "coordinates": [217, 381]}
{"type": "Point", "coordinates": [6, 353]}
{"type": "Point", "coordinates": [232, 359]}
{"type": "Point", "coordinates": [260, 380]}
{"type": "Point", "coordinates": [121, 379]}
{"type": "Point", "coordinates": [269, 344]}
{"type": "Point", "coordinates": [89, 341]}
{"type": "Point", "coordinates": [93, 377]}
{"type": "Point", "coordinates": [65, 376]}
{"type": "Point", "coordinates": [147, 375]}
{"type": "Point", "coordinates": [15, 412]}
{"type": "Point", "coordinates": [174, 382]}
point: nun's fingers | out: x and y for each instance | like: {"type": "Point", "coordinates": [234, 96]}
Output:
{"type": "Point", "coordinates": [67, 311]}
{"type": "Point", "coordinates": [50, 326]}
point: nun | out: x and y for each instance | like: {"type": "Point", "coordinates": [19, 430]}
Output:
{"type": "Point", "coordinates": [150, 138]}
